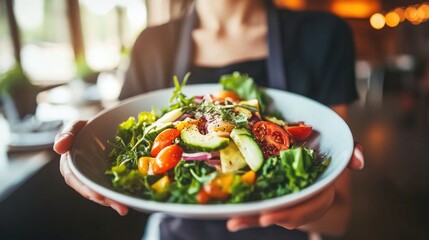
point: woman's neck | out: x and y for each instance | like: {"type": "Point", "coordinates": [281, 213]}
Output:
{"type": "Point", "coordinates": [230, 15]}
{"type": "Point", "coordinates": [229, 31]}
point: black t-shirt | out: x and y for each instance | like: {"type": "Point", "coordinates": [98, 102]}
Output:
{"type": "Point", "coordinates": [256, 69]}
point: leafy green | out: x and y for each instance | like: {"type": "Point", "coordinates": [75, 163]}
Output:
{"type": "Point", "coordinates": [178, 99]}
{"type": "Point", "coordinates": [239, 119]}
{"type": "Point", "coordinates": [130, 141]}
{"type": "Point", "coordinates": [246, 87]}
{"type": "Point", "coordinates": [187, 176]}
{"type": "Point", "coordinates": [241, 192]}
{"type": "Point", "coordinates": [128, 180]}
{"type": "Point", "coordinates": [12, 78]}
{"type": "Point", "coordinates": [297, 164]}
{"type": "Point", "coordinates": [293, 170]}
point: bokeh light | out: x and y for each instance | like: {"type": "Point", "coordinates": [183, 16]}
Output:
{"type": "Point", "coordinates": [377, 21]}
{"type": "Point", "coordinates": [414, 14]}
{"type": "Point", "coordinates": [423, 11]}
{"type": "Point", "coordinates": [355, 8]}
{"type": "Point", "coordinates": [392, 19]}
{"type": "Point", "coordinates": [99, 7]}
{"type": "Point", "coordinates": [401, 13]}
{"type": "Point", "coordinates": [411, 14]}
{"type": "Point", "coordinates": [29, 14]}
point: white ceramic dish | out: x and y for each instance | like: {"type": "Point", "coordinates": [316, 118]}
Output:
{"type": "Point", "coordinates": [89, 154]}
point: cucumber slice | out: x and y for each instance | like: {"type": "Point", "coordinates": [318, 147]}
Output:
{"type": "Point", "coordinates": [169, 117]}
{"type": "Point", "coordinates": [231, 158]}
{"type": "Point", "coordinates": [194, 141]}
{"type": "Point", "coordinates": [249, 148]}
{"type": "Point", "coordinates": [237, 131]}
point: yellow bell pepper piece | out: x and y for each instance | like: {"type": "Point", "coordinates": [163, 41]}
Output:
{"type": "Point", "coordinates": [160, 185]}
{"type": "Point", "coordinates": [249, 177]}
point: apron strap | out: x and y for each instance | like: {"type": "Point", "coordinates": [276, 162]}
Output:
{"type": "Point", "coordinates": [184, 47]}
{"type": "Point", "coordinates": [275, 64]}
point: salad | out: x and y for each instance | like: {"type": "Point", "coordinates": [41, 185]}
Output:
{"type": "Point", "coordinates": [226, 147]}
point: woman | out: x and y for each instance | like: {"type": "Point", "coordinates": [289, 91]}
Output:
{"type": "Point", "coordinates": [307, 53]}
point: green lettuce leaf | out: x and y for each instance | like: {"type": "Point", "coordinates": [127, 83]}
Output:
{"type": "Point", "coordinates": [246, 87]}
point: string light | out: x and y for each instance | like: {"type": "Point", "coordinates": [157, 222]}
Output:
{"type": "Point", "coordinates": [377, 21]}
{"type": "Point", "coordinates": [392, 19]}
{"type": "Point", "coordinates": [401, 13]}
{"type": "Point", "coordinates": [411, 14]}
{"type": "Point", "coordinates": [423, 11]}
{"type": "Point", "coordinates": [415, 14]}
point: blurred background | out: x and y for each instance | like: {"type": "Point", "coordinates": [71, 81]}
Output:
{"type": "Point", "coordinates": [65, 59]}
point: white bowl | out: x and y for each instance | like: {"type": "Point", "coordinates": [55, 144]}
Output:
{"type": "Point", "coordinates": [89, 155]}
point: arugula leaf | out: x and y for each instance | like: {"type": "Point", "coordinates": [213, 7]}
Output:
{"type": "Point", "coordinates": [130, 142]}
{"type": "Point", "coordinates": [178, 99]}
{"type": "Point", "coordinates": [178, 87]}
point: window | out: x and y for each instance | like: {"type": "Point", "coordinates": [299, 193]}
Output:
{"type": "Point", "coordinates": [109, 29]}
{"type": "Point", "coordinates": [46, 52]}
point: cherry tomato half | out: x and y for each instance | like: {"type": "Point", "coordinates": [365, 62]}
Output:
{"type": "Point", "coordinates": [202, 197]}
{"type": "Point", "coordinates": [144, 165]}
{"type": "Point", "coordinates": [219, 187]}
{"type": "Point", "coordinates": [164, 139]}
{"type": "Point", "coordinates": [300, 131]}
{"type": "Point", "coordinates": [271, 138]}
{"type": "Point", "coordinates": [226, 94]}
{"type": "Point", "coordinates": [167, 159]}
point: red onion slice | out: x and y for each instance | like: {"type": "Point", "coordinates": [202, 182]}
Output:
{"type": "Point", "coordinates": [200, 156]}
{"type": "Point", "coordinates": [213, 162]}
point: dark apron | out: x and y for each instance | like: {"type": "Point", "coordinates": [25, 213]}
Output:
{"type": "Point", "coordinates": [173, 228]}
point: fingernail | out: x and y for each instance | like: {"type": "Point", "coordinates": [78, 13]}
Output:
{"type": "Point", "coordinates": [96, 199]}
{"type": "Point", "coordinates": [234, 225]}
{"type": "Point", "coordinates": [239, 227]}
{"type": "Point", "coordinates": [114, 206]}
{"type": "Point", "coordinates": [117, 208]}
{"type": "Point", "coordinates": [263, 222]}
{"type": "Point", "coordinates": [62, 136]}
{"type": "Point", "coordinates": [359, 156]}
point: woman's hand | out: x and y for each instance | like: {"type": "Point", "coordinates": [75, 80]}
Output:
{"type": "Point", "coordinates": [63, 143]}
{"type": "Point", "coordinates": [310, 215]}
